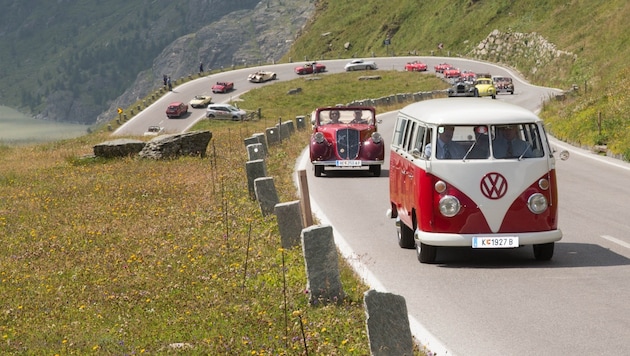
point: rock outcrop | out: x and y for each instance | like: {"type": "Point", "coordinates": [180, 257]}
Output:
{"type": "Point", "coordinates": [161, 147]}
{"type": "Point", "coordinates": [172, 146]}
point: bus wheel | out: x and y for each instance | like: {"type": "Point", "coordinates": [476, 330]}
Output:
{"type": "Point", "coordinates": [319, 170]}
{"type": "Point", "coordinates": [426, 253]}
{"type": "Point", "coordinates": [543, 252]}
{"type": "Point", "coordinates": [405, 236]}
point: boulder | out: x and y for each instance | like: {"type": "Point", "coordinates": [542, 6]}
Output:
{"type": "Point", "coordinates": [118, 148]}
{"type": "Point", "coordinates": [171, 146]}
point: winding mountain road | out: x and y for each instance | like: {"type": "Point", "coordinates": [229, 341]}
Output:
{"type": "Point", "coordinates": [477, 302]}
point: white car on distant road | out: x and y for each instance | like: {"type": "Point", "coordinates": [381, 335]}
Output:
{"type": "Point", "coordinates": [154, 130]}
{"type": "Point", "coordinates": [360, 64]}
{"type": "Point", "coordinates": [225, 111]}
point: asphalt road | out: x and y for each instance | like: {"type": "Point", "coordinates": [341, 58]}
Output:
{"type": "Point", "coordinates": [480, 302]}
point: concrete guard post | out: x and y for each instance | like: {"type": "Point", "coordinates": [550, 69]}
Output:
{"type": "Point", "coordinates": [289, 223]}
{"type": "Point", "coordinates": [255, 151]}
{"type": "Point", "coordinates": [266, 195]}
{"type": "Point", "coordinates": [322, 265]}
{"type": "Point", "coordinates": [300, 122]}
{"type": "Point", "coordinates": [262, 140]}
{"type": "Point", "coordinates": [255, 169]}
{"type": "Point", "coordinates": [273, 135]}
{"type": "Point", "coordinates": [387, 322]}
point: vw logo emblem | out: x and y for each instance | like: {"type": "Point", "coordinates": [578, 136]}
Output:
{"type": "Point", "coordinates": [493, 186]}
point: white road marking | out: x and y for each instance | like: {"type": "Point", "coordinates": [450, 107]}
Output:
{"type": "Point", "coordinates": [617, 241]}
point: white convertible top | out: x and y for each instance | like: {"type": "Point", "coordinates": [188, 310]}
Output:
{"type": "Point", "coordinates": [467, 111]}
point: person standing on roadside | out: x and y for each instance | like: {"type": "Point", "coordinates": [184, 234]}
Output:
{"type": "Point", "coordinates": [169, 83]}
{"type": "Point", "coordinates": [200, 67]}
{"type": "Point", "coordinates": [165, 79]}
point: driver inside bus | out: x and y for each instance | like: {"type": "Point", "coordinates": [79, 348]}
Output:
{"type": "Point", "coordinates": [446, 148]}
{"type": "Point", "coordinates": [508, 144]}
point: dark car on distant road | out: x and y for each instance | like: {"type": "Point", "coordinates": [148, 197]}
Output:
{"type": "Point", "coordinates": [462, 88]}
{"type": "Point", "coordinates": [503, 84]}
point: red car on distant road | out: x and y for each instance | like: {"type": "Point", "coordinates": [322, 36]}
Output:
{"type": "Point", "coordinates": [223, 87]}
{"type": "Point", "coordinates": [451, 72]}
{"type": "Point", "coordinates": [176, 109]}
{"type": "Point", "coordinates": [468, 76]}
{"type": "Point", "coordinates": [440, 67]}
{"type": "Point", "coordinates": [310, 68]}
{"type": "Point", "coordinates": [415, 66]}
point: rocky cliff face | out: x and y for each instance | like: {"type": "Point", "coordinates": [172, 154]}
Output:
{"type": "Point", "coordinates": [245, 37]}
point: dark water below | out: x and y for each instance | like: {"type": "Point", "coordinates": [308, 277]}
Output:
{"type": "Point", "coordinates": [19, 129]}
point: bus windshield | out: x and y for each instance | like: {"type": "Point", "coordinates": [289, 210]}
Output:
{"type": "Point", "coordinates": [513, 141]}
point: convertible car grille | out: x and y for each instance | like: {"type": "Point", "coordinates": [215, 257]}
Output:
{"type": "Point", "coordinates": [348, 143]}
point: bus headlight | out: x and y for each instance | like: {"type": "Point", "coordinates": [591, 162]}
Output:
{"type": "Point", "coordinates": [449, 206]}
{"type": "Point", "coordinates": [537, 203]}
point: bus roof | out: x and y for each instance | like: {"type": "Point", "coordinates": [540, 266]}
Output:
{"type": "Point", "coordinates": [468, 111]}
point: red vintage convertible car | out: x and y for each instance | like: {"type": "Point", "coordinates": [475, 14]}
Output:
{"type": "Point", "coordinates": [310, 68]}
{"type": "Point", "coordinates": [415, 66]}
{"type": "Point", "coordinates": [222, 87]}
{"type": "Point", "coordinates": [451, 72]}
{"type": "Point", "coordinates": [440, 67]}
{"type": "Point", "coordinates": [346, 138]}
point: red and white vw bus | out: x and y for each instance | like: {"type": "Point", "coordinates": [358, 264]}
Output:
{"type": "Point", "coordinates": [472, 172]}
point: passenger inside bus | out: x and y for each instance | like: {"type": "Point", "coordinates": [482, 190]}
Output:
{"type": "Point", "coordinates": [446, 148]}
{"type": "Point", "coordinates": [508, 144]}
{"type": "Point", "coordinates": [480, 148]}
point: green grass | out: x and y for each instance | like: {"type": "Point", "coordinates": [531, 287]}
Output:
{"type": "Point", "coordinates": [130, 256]}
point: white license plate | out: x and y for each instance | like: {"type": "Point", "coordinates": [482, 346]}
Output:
{"type": "Point", "coordinates": [495, 242]}
{"type": "Point", "coordinates": [348, 163]}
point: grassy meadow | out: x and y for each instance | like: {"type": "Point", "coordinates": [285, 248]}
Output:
{"type": "Point", "coordinates": [130, 256]}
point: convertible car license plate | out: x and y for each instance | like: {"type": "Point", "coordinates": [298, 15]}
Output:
{"type": "Point", "coordinates": [348, 163]}
{"type": "Point", "coordinates": [495, 242]}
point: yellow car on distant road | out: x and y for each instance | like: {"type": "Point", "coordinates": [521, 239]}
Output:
{"type": "Point", "coordinates": [485, 87]}
{"type": "Point", "coordinates": [201, 101]}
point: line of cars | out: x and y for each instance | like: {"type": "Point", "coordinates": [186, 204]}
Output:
{"type": "Point", "coordinates": [353, 65]}
{"type": "Point", "coordinates": [468, 83]}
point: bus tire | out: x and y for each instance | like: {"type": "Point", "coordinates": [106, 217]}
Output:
{"type": "Point", "coordinates": [543, 252]}
{"type": "Point", "coordinates": [319, 170]}
{"type": "Point", "coordinates": [426, 253]}
{"type": "Point", "coordinates": [405, 236]}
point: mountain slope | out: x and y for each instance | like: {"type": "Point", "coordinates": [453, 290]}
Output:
{"type": "Point", "coordinates": [246, 37]}
{"type": "Point", "coordinates": [66, 60]}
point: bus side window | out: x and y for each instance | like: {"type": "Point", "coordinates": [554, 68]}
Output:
{"type": "Point", "coordinates": [419, 142]}
{"type": "Point", "coordinates": [399, 132]}
{"type": "Point", "coordinates": [428, 137]}
{"type": "Point", "coordinates": [409, 135]}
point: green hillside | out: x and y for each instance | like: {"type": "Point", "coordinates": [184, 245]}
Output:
{"type": "Point", "coordinates": [87, 53]}
{"type": "Point", "coordinates": [594, 32]}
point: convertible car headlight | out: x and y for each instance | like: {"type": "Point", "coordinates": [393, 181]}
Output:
{"type": "Point", "coordinates": [376, 137]}
{"type": "Point", "coordinates": [319, 137]}
{"type": "Point", "coordinates": [537, 203]}
{"type": "Point", "coordinates": [449, 206]}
